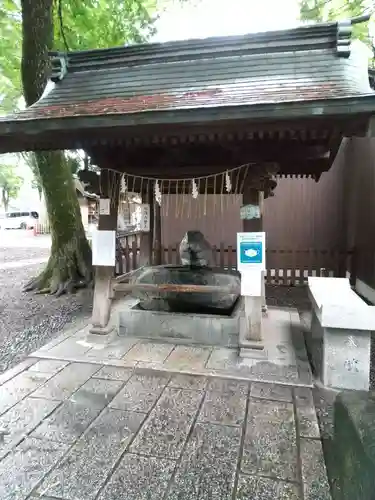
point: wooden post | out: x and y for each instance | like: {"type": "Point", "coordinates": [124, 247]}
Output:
{"type": "Point", "coordinates": [104, 274]}
{"type": "Point", "coordinates": [146, 240]}
{"type": "Point", "coordinates": [254, 305]}
{"type": "Point", "coordinates": [157, 235]}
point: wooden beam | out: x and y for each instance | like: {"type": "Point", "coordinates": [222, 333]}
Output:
{"type": "Point", "coordinates": [173, 287]}
{"type": "Point", "coordinates": [104, 274]}
{"type": "Point", "coordinates": [253, 305]}
{"type": "Point", "coordinates": [157, 235]}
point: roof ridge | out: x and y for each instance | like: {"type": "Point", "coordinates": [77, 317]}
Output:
{"type": "Point", "coordinates": [334, 36]}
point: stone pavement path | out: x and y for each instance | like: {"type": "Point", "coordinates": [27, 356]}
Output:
{"type": "Point", "coordinates": [79, 431]}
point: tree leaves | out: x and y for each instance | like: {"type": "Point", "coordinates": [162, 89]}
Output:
{"type": "Point", "coordinates": [334, 10]}
{"type": "Point", "coordinates": [10, 184]}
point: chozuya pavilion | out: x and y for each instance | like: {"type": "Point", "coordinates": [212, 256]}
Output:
{"type": "Point", "coordinates": [277, 102]}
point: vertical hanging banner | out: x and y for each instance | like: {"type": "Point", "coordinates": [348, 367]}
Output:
{"type": "Point", "coordinates": [145, 217]}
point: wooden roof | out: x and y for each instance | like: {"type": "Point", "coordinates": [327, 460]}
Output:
{"type": "Point", "coordinates": [275, 76]}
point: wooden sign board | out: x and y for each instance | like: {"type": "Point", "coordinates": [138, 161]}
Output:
{"type": "Point", "coordinates": [103, 248]}
{"type": "Point", "coordinates": [104, 206]}
{"type": "Point", "coordinates": [145, 217]}
{"type": "Point", "coordinates": [248, 212]}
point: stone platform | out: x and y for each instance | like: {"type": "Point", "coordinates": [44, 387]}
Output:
{"type": "Point", "coordinates": [92, 432]}
{"type": "Point", "coordinates": [107, 418]}
{"type": "Point", "coordinates": [283, 360]}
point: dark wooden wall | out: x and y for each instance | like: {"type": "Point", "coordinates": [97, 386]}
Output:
{"type": "Point", "coordinates": [359, 206]}
{"type": "Point", "coordinates": [337, 213]}
{"type": "Point", "coordinates": [302, 215]}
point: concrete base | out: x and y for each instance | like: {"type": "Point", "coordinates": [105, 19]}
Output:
{"type": "Point", "coordinates": [341, 357]}
{"type": "Point", "coordinates": [181, 328]}
{"type": "Point", "coordinates": [341, 329]}
{"type": "Point", "coordinates": [98, 330]}
{"type": "Point", "coordinates": [248, 347]}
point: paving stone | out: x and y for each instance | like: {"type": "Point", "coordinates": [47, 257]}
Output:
{"type": "Point", "coordinates": [62, 385]}
{"type": "Point", "coordinates": [24, 467]}
{"type": "Point", "coordinates": [69, 348]}
{"type": "Point", "coordinates": [115, 350]}
{"type": "Point", "coordinates": [165, 431]}
{"type": "Point", "coordinates": [304, 372]}
{"type": "Point", "coordinates": [139, 478]}
{"type": "Point", "coordinates": [223, 408]}
{"type": "Point", "coordinates": [22, 419]}
{"type": "Point", "coordinates": [85, 468]}
{"type": "Point", "coordinates": [67, 423]}
{"type": "Point", "coordinates": [140, 393]}
{"type": "Point", "coordinates": [51, 366]}
{"type": "Point", "coordinates": [149, 352]}
{"type": "Point", "coordinates": [97, 392]}
{"type": "Point", "coordinates": [314, 474]}
{"type": "Point", "coordinates": [270, 442]}
{"type": "Point", "coordinates": [19, 387]}
{"type": "Point", "coordinates": [260, 488]}
{"type": "Point", "coordinates": [192, 382]}
{"type": "Point", "coordinates": [198, 481]}
{"type": "Point", "coordinates": [114, 373]}
{"type": "Point", "coordinates": [208, 464]}
{"type": "Point", "coordinates": [12, 372]}
{"type": "Point", "coordinates": [271, 391]}
{"type": "Point", "coordinates": [306, 414]}
{"type": "Point", "coordinates": [187, 358]}
{"type": "Point", "coordinates": [223, 359]}
{"type": "Point", "coordinates": [228, 386]}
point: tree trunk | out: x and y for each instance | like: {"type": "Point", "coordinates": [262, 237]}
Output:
{"type": "Point", "coordinates": [5, 199]}
{"type": "Point", "coordinates": [69, 265]}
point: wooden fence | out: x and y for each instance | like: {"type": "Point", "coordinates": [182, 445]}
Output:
{"type": "Point", "coordinates": [284, 267]}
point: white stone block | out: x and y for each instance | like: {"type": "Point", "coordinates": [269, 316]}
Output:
{"type": "Point", "coordinates": [341, 333]}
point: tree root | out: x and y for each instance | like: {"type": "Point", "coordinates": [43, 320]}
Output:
{"type": "Point", "coordinates": [68, 269]}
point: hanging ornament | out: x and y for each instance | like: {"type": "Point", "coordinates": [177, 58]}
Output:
{"type": "Point", "coordinates": [157, 193]}
{"type": "Point", "coordinates": [194, 189]}
{"type": "Point", "coordinates": [228, 183]}
{"type": "Point", "coordinates": [123, 186]}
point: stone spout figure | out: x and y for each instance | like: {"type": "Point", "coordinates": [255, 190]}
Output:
{"type": "Point", "coordinates": [195, 251]}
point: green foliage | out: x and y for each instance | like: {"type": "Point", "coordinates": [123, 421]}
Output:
{"type": "Point", "coordinates": [333, 10]}
{"type": "Point", "coordinates": [87, 24]}
{"type": "Point", "coordinates": [104, 23]}
{"type": "Point", "coordinates": [10, 184]}
{"type": "Point", "coordinates": [10, 55]}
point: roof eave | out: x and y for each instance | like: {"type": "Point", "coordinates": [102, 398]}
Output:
{"type": "Point", "coordinates": [44, 133]}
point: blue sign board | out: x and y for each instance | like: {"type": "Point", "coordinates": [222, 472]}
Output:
{"type": "Point", "coordinates": [251, 251]}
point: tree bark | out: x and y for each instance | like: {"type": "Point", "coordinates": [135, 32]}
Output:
{"type": "Point", "coordinates": [5, 199]}
{"type": "Point", "coordinates": [69, 265]}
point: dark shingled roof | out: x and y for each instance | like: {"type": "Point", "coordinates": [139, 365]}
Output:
{"type": "Point", "coordinates": [295, 65]}
{"type": "Point", "coordinates": [258, 75]}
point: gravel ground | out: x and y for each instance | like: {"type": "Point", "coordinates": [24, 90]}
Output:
{"type": "Point", "coordinates": [28, 321]}
{"type": "Point", "coordinates": [15, 254]}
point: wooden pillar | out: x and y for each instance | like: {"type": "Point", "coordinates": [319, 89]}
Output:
{"type": "Point", "coordinates": [254, 305]}
{"type": "Point", "coordinates": [104, 274]}
{"type": "Point", "coordinates": [146, 243]}
{"type": "Point", "coordinates": [157, 235]}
